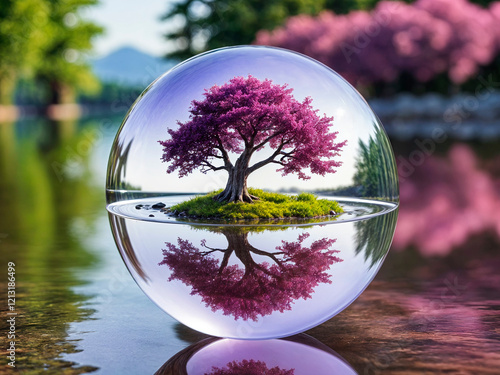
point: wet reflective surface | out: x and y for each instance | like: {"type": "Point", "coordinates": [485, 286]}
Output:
{"type": "Point", "coordinates": [433, 307]}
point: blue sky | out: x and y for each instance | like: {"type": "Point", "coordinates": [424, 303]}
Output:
{"type": "Point", "coordinates": [130, 23]}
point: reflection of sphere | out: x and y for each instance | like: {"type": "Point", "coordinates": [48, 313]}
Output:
{"type": "Point", "coordinates": [298, 355]}
{"type": "Point", "coordinates": [252, 279]}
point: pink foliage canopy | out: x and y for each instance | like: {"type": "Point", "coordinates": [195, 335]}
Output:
{"type": "Point", "coordinates": [258, 289]}
{"type": "Point", "coordinates": [248, 114]}
{"type": "Point", "coordinates": [249, 367]}
{"type": "Point", "coordinates": [424, 39]}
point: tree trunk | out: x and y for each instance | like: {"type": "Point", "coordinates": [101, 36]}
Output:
{"type": "Point", "coordinates": [7, 88]}
{"type": "Point", "coordinates": [61, 93]}
{"type": "Point", "coordinates": [236, 188]}
{"type": "Point", "coordinates": [237, 242]}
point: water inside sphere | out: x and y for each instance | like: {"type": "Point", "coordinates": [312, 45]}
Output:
{"type": "Point", "coordinates": [252, 192]}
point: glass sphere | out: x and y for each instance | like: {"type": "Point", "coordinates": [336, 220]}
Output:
{"type": "Point", "coordinates": [251, 263]}
{"type": "Point", "coordinates": [297, 355]}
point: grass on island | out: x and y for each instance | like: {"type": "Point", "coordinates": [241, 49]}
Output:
{"type": "Point", "coordinates": [269, 206]}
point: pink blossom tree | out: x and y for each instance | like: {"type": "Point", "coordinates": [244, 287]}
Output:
{"type": "Point", "coordinates": [242, 117]}
{"type": "Point", "coordinates": [473, 35]}
{"type": "Point", "coordinates": [421, 40]}
{"type": "Point", "coordinates": [246, 367]}
{"type": "Point", "coordinates": [257, 289]}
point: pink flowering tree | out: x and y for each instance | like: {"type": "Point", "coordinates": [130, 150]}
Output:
{"type": "Point", "coordinates": [256, 289]}
{"type": "Point", "coordinates": [421, 40]}
{"type": "Point", "coordinates": [251, 366]}
{"type": "Point", "coordinates": [242, 117]}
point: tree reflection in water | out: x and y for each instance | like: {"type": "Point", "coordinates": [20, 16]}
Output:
{"type": "Point", "coordinates": [245, 367]}
{"type": "Point", "coordinates": [447, 201]}
{"type": "Point", "coordinates": [289, 273]}
{"type": "Point", "coordinates": [373, 237]}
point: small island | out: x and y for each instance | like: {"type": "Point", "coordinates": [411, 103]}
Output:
{"type": "Point", "coordinates": [267, 205]}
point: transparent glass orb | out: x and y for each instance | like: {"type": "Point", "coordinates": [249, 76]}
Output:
{"type": "Point", "coordinates": [228, 121]}
{"type": "Point", "coordinates": [297, 355]}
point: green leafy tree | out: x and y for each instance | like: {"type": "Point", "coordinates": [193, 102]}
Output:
{"type": "Point", "coordinates": [345, 6]}
{"type": "Point", "coordinates": [484, 3]}
{"type": "Point", "coordinates": [22, 24]}
{"type": "Point", "coordinates": [63, 69]}
{"type": "Point", "coordinates": [207, 24]}
{"type": "Point", "coordinates": [374, 173]}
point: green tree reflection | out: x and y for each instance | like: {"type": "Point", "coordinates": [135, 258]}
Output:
{"type": "Point", "coordinates": [44, 216]}
{"type": "Point", "coordinates": [376, 173]}
{"type": "Point", "coordinates": [374, 236]}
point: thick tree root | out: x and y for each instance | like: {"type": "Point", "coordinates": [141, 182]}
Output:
{"type": "Point", "coordinates": [226, 196]}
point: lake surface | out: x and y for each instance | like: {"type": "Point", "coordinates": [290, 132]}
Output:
{"type": "Point", "coordinates": [434, 306]}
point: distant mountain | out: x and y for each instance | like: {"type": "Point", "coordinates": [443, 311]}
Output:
{"type": "Point", "coordinates": [130, 67]}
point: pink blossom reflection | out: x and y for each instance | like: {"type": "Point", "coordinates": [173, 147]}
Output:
{"type": "Point", "coordinates": [246, 367]}
{"type": "Point", "coordinates": [446, 201]}
{"type": "Point", "coordinates": [289, 273]}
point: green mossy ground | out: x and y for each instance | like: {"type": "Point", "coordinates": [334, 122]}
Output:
{"type": "Point", "coordinates": [268, 206]}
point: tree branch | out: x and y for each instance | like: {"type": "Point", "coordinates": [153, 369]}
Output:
{"type": "Point", "coordinates": [289, 155]}
{"type": "Point", "coordinates": [277, 162]}
{"type": "Point", "coordinates": [212, 167]}
{"type": "Point", "coordinates": [255, 131]}
{"type": "Point", "coordinates": [225, 155]}
{"type": "Point", "coordinates": [225, 260]}
{"type": "Point", "coordinates": [203, 243]}
{"type": "Point", "coordinates": [254, 128]}
{"type": "Point", "coordinates": [267, 254]}
{"type": "Point", "coordinates": [203, 253]}
{"type": "Point", "coordinates": [261, 163]}
{"type": "Point", "coordinates": [266, 271]}
{"type": "Point", "coordinates": [245, 140]}
{"type": "Point", "coordinates": [267, 140]}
